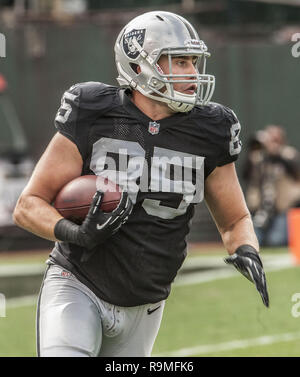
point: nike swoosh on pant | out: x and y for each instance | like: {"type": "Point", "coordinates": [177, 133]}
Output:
{"type": "Point", "coordinates": [149, 311]}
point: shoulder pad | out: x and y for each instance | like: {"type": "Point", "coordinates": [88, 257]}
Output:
{"type": "Point", "coordinates": [93, 95]}
{"type": "Point", "coordinates": [216, 110]}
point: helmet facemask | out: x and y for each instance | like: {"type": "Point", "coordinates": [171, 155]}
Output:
{"type": "Point", "coordinates": [162, 84]}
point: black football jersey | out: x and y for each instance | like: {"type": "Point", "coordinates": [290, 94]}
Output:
{"type": "Point", "coordinates": [162, 165]}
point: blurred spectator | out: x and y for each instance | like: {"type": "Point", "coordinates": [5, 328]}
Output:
{"type": "Point", "coordinates": [272, 177]}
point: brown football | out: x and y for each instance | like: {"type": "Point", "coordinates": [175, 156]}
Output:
{"type": "Point", "coordinates": [74, 199]}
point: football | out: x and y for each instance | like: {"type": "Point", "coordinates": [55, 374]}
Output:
{"type": "Point", "coordinates": [74, 199]}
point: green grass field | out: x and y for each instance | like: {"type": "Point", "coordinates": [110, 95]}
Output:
{"type": "Point", "coordinates": [223, 317]}
{"type": "Point", "coordinates": [230, 309]}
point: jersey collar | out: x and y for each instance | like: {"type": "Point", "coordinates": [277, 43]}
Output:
{"type": "Point", "coordinates": [134, 111]}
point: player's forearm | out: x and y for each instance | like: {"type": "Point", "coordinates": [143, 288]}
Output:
{"type": "Point", "coordinates": [239, 233]}
{"type": "Point", "coordinates": [36, 216]}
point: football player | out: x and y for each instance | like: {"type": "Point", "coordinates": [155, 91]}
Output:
{"type": "Point", "coordinates": [168, 147]}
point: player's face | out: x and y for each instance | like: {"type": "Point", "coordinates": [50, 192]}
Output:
{"type": "Point", "coordinates": [184, 65]}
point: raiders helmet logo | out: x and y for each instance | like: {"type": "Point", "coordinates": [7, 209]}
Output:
{"type": "Point", "coordinates": [129, 40]}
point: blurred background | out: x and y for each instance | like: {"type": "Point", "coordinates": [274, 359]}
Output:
{"type": "Point", "coordinates": [50, 45]}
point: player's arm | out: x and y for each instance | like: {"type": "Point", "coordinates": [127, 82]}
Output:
{"type": "Point", "coordinates": [226, 202]}
{"type": "Point", "coordinates": [227, 205]}
{"type": "Point", "coordinates": [60, 163]}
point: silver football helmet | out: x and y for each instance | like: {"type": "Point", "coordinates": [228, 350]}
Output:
{"type": "Point", "coordinates": [144, 40]}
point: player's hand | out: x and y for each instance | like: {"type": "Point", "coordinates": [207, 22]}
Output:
{"type": "Point", "coordinates": [99, 225]}
{"type": "Point", "coordinates": [247, 261]}
{"type": "Point", "coordinates": [96, 227]}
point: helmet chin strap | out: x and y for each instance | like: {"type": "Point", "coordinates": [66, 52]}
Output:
{"type": "Point", "coordinates": [175, 104]}
{"type": "Point", "coordinates": [179, 104]}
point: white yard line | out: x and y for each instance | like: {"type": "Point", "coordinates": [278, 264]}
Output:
{"type": "Point", "coordinates": [191, 351]}
{"type": "Point", "coordinates": [232, 345]}
{"type": "Point", "coordinates": [17, 302]}
{"type": "Point", "coordinates": [273, 264]}
{"type": "Point", "coordinates": [223, 271]}
{"type": "Point", "coordinates": [212, 263]}
{"type": "Point", "coordinates": [22, 269]}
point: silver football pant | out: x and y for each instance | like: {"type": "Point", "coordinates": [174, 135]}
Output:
{"type": "Point", "coordinates": [73, 321]}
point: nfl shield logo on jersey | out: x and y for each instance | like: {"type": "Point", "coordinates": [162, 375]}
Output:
{"type": "Point", "coordinates": [153, 128]}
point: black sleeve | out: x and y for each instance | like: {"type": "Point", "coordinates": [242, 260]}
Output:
{"type": "Point", "coordinates": [230, 145]}
{"type": "Point", "coordinates": [80, 107]}
{"type": "Point", "coordinates": [67, 115]}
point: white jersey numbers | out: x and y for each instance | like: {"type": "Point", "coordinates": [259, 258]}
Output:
{"type": "Point", "coordinates": [235, 144]}
{"type": "Point", "coordinates": [65, 108]}
{"type": "Point", "coordinates": [170, 171]}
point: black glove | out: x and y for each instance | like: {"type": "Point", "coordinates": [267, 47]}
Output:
{"type": "Point", "coordinates": [97, 226]}
{"type": "Point", "coordinates": [247, 261]}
